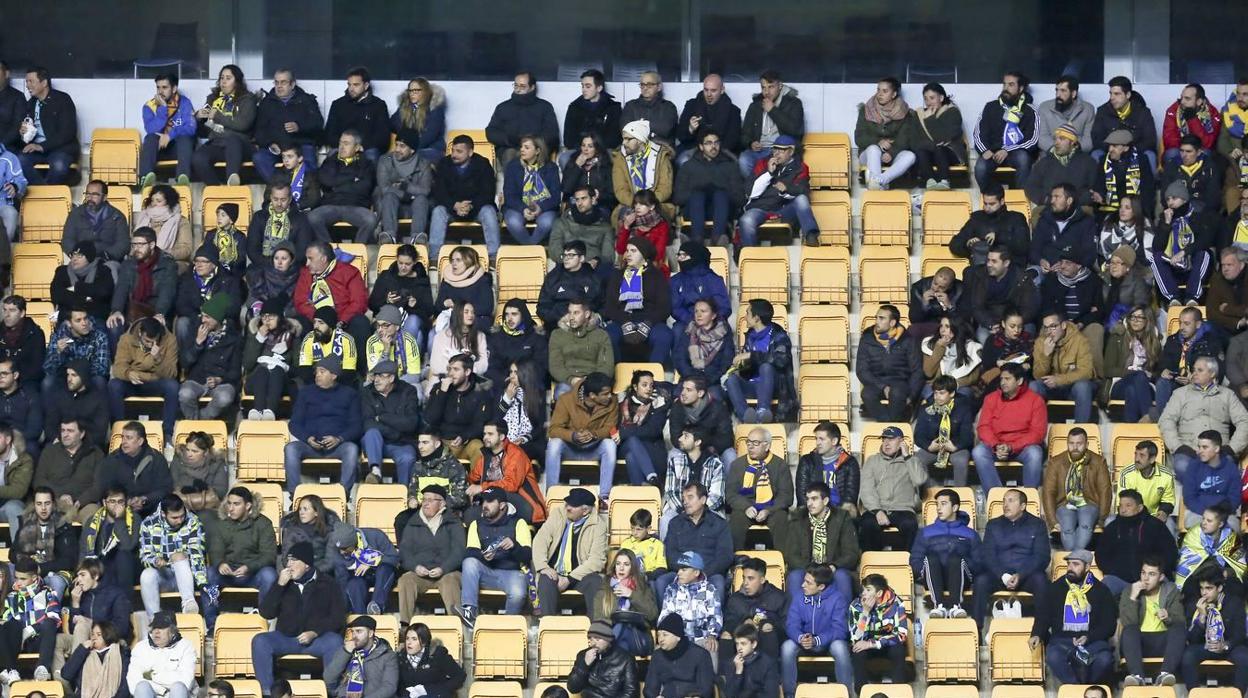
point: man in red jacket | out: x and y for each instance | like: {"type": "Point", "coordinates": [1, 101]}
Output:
{"type": "Point", "coordinates": [326, 281]}
{"type": "Point", "coordinates": [1012, 427]}
{"type": "Point", "coordinates": [1189, 115]}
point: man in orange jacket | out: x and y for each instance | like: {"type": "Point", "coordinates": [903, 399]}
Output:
{"type": "Point", "coordinates": [505, 465]}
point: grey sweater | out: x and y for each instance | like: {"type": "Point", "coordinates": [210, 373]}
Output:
{"type": "Point", "coordinates": [1048, 118]}
{"type": "Point", "coordinates": [414, 176]}
{"type": "Point", "coordinates": [891, 484]}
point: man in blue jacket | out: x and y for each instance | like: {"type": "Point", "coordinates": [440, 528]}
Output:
{"type": "Point", "coordinates": [91, 599]}
{"type": "Point", "coordinates": [326, 423]}
{"type": "Point", "coordinates": [698, 530]}
{"type": "Point", "coordinates": [946, 554]}
{"type": "Point", "coordinates": [818, 623]}
{"type": "Point", "coordinates": [1015, 555]}
{"type": "Point", "coordinates": [368, 559]}
{"type": "Point", "coordinates": [169, 122]}
{"type": "Point", "coordinates": [12, 188]}
{"type": "Point", "coordinates": [1213, 478]}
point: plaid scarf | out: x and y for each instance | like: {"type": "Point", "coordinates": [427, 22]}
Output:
{"type": "Point", "coordinates": [631, 289]}
{"type": "Point", "coordinates": [1074, 481]}
{"type": "Point", "coordinates": [354, 677]}
{"type": "Point", "coordinates": [534, 190]}
{"type": "Point", "coordinates": [1012, 115]}
{"type": "Point", "coordinates": [320, 295]}
{"type": "Point", "coordinates": [1202, 113]}
{"type": "Point", "coordinates": [757, 484]}
{"type": "Point", "coordinates": [705, 344]}
{"type": "Point", "coordinates": [277, 230]}
{"type": "Point", "coordinates": [1111, 180]}
{"type": "Point", "coordinates": [819, 538]}
{"type": "Point", "coordinates": [876, 113]}
{"type": "Point", "coordinates": [642, 166]}
{"type": "Point", "coordinates": [1076, 611]}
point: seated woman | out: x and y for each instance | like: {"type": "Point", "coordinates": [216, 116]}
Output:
{"type": "Point", "coordinates": [422, 108]}
{"type": "Point", "coordinates": [638, 303]}
{"type": "Point", "coordinates": [268, 356]}
{"type": "Point", "coordinates": [952, 352]}
{"type": "Point", "coordinates": [275, 277]}
{"type": "Point", "coordinates": [884, 134]}
{"type": "Point", "coordinates": [522, 404]}
{"type": "Point", "coordinates": [162, 212]}
{"type": "Point", "coordinates": [530, 192]}
{"type": "Point", "coordinates": [201, 475]}
{"type": "Point", "coordinates": [1128, 227]}
{"type": "Point", "coordinates": [312, 522]}
{"type": "Point", "coordinates": [426, 666]}
{"type": "Point", "coordinates": [938, 140]}
{"type": "Point", "coordinates": [405, 284]}
{"type": "Point", "coordinates": [705, 346]}
{"type": "Point", "coordinates": [627, 602]}
{"type": "Point", "coordinates": [591, 167]}
{"type": "Point", "coordinates": [461, 336]}
{"type": "Point", "coordinates": [645, 220]}
{"type": "Point", "coordinates": [695, 281]}
{"type": "Point", "coordinates": [1126, 282]}
{"type": "Point", "coordinates": [98, 668]}
{"type": "Point", "coordinates": [465, 279]}
{"type": "Point", "coordinates": [1132, 353]}
{"type": "Point", "coordinates": [1010, 344]}
{"type": "Point", "coordinates": [643, 414]}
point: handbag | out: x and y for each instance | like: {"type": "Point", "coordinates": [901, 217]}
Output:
{"type": "Point", "coordinates": [632, 633]}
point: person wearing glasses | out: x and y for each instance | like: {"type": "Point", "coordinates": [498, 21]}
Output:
{"type": "Point", "coordinates": [522, 114]}
{"type": "Point", "coordinates": [652, 107]}
{"type": "Point", "coordinates": [421, 114]}
{"type": "Point", "coordinates": [709, 183]}
{"type": "Point", "coordinates": [1063, 364]}
{"type": "Point", "coordinates": [145, 286]}
{"type": "Point", "coordinates": [98, 221]}
{"type": "Point", "coordinates": [1132, 354]}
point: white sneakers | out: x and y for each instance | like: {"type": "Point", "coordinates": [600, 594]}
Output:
{"type": "Point", "coordinates": [942, 612]}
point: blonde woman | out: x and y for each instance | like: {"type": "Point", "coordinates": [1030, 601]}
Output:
{"type": "Point", "coordinates": [422, 108]}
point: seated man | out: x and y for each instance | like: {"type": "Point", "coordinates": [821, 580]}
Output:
{"type": "Point", "coordinates": [774, 111]}
{"type": "Point", "coordinates": [1215, 631]}
{"type": "Point", "coordinates": [463, 190]}
{"type": "Point", "coordinates": [690, 459]}
{"type": "Point", "coordinates": [823, 535]}
{"type": "Point", "coordinates": [212, 359]}
{"type": "Point", "coordinates": [391, 414]}
{"type": "Point", "coordinates": [147, 284]}
{"type": "Point", "coordinates": [1130, 537]}
{"type": "Point", "coordinates": [778, 188]}
{"type": "Point", "coordinates": [111, 536]}
{"type": "Point", "coordinates": [30, 616]}
{"type": "Point", "coordinates": [1181, 242]}
{"type": "Point", "coordinates": [1195, 168]}
{"type": "Point", "coordinates": [890, 367]}
{"type": "Point", "coordinates": [25, 343]}
{"type": "Point", "coordinates": [1006, 132]}
{"type": "Point", "coordinates": [286, 116]}
{"type": "Point", "coordinates": [594, 113]}
{"type": "Point", "coordinates": [171, 548]}
{"type": "Point", "coordinates": [709, 182]}
{"type": "Point", "coordinates": [585, 224]}
{"type": "Point", "coordinates": [998, 287]}
{"type": "Point", "coordinates": [18, 469]}
{"type": "Point", "coordinates": [1211, 479]}
{"type": "Point", "coordinates": [584, 426]}
{"type": "Point", "coordinates": [697, 529]}
{"type": "Point", "coordinates": [878, 628]}
{"type": "Point", "coordinates": [946, 555]}
{"type": "Point", "coordinates": [1153, 481]}
{"type": "Point", "coordinates": [327, 338]}
{"type": "Point", "coordinates": [944, 430]}
{"type": "Point", "coordinates": [1189, 115]}
{"type": "Point", "coordinates": [328, 282]}
{"type": "Point", "coordinates": [818, 623]}
{"type": "Point", "coordinates": [1075, 623]}
{"type": "Point", "coordinates": [831, 464]}
{"type": "Point", "coordinates": [679, 666]}
{"type": "Point", "coordinates": [367, 559]}
{"type": "Point", "coordinates": [758, 490]}
{"type": "Point", "coordinates": [1228, 289]}
{"type": "Point", "coordinates": [169, 120]}
{"type": "Point", "coordinates": [49, 538]}
{"type": "Point", "coordinates": [1124, 171]}
{"type": "Point", "coordinates": [279, 221]}
{"type": "Point", "coordinates": [524, 112]}
{"type": "Point", "coordinates": [146, 365]}
{"type": "Point", "coordinates": [404, 182]}
{"type": "Point", "coordinates": [759, 603]}
{"type": "Point", "coordinates": [700, 405]}
{"type": "Point", "coordinates": [1201, 405]}
{"type": "Point", "coordinates": [1063, 365]}
{"type": "Point", "coordinates": [1064, 161]}
{"type": "Point", "coordinates": [1076, 492]}
{"type": "Point", "coordinates": [361, 110]}
{"type": "Point", "coordinates": [1014, 556]}
{"type": "Point", "coordinates": [651, 107]}
{"type": "Point", "coordinates": [499, 546]}
{"type": "Point", "coordinates": [505, 467]}
{"type": "Point", "coordinates": [711, 109]}
{"type": "Point", "coordinates": [49, 130]}
{"type": "Point", "coordinates": [992, 225]}
{"type": "Point", "coordinates": [78, 398]}
{"type": "Point", "coordinates": [885, 135]}
{"type": "Point", "coordinates": [431, 550]}
{"type": "Point", "coordinates": [1151, 613]}
{"type": "Point", "coordinates": [603, 668]}
{"type": "Point", "coordinates": [933, 298]}
{"type": "Point", "coordinates": [363, 657]}
{"type": "Point", "coordinates": [326, 423]}
{"type": "Point", "coordinates": [1062, 227]}
{"type": "Point", "coordinates": [69, 463]}
{"type": "Point", "coordinates": [93, 599]}
{"type": "Point", "coordinates": [310, 615]}
{"type": "Point", "coordinates": [242, 550]}
{"type": "Point", "coordinates": [346, 181]}
{"type": "Point", "coordinates": [1125, 109]}
{"type": "Point", "coordinates": [578, 346]}
{"type": "Point", "coordinates": [1013, 425]}
{"type": "Point", "coordinates": [1194, 338]}
{"type": "Point", "coordinates": [641, 164]}
{"type": "Point", "coordinates": [764, 369]}
{"type": "Point", "coordinates": [165, 664]}
{"type": "Point", "coordinates": [570, 551]}
{"type": "Point", "coordinates": [139, 469]}
{"type": "Point", "coordinates": [435, 465]}
{"type": "Point", "coordinates": [1211, 544]}
{"type": "Point", "coordinates": [892, 480]}
{"type": "Point", "coordinates": [458, 408]}
{"type": "Point", "coordinates": [1078, 293]}
{"type": "Point", "coordinates": [111, 234]}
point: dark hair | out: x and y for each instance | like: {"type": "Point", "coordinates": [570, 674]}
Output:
{"type": "Point", "coordinates": [639, 374]}
{"type": "Point", "coordinates": [755, 563]}
{"type": "Point", "coordinates": [1222, 510]}
{"type": "Point", "coordinates": [1054, 312]}
{"type": "Point", "coordinates": [600, 149]}
{"type": "Point", "coordinates": [1148, 446]}
{"type": "Point", "coordinates": [169, 193]}
{"type": "Point", "coordinates": [1071, 81]}
{"type": "Point", "coordinates": [172, 503]}
{"type": "Point", "coordinates": [1200, 90]}
{"type": "Point", "coordinates": [695, 432]}
{"type": "Point", "coordinates": [499, 424]}
{"type": "Point", "coordinates": [581, 301]}
{"type": "Point", "coordinates": [464, 139]}
{"type": "Point", "coordinates": [1211, 435]}
{"type": "Point", "coordinates": [92, 565]}
{"type": "Point", "coordinates": [41, 74]}
{"type": "Point", "coordinates": [1131, 494]}
{"type": "Point", "coordinates": [876, 580]}
{"type": "Point", "coordinates": [819, 487]}
{"type": "Point", "coordinates": [202, 440]}
{"type": "Point", "coordinates": [281, 687]}
{"type": "Point", "coordinates": [770, 75]}
{"type": "Point", "coordinates": [946, 383]}
{"type": "Point", "coordinates": [1121, 82]}
{"type": "Point", "coordinates": [1210, 574]}
{"type": "Point", "coordinates": [646, 197]}
{"type": "Point", "coordinates": [698, 381]}
{"type": "Point", "coordinates": [697, 487]}
{"type": "Point", "coordinates": [534, 390]}
{"type": "Point", "coordinates": [892, 311]}
{"type": "Point", "coordinates": [407, 250]}
{"type": "Point", "coordinates": [705, 131]}
{"type": "Point", "coordinates": [821, 573]}
{"type": "Point", "coordinates": [115, 489]}
{"type": "Point", "coordinates": [151, 327]}
{"type": "Point", "coordinates": [1015, 370]}
{"type": "Point", "coordinates": [225, 688]}
{"type": "Point", "coordinates": [1077, 431]}
{"type": "Point", "coordinates": [952, 494]}
{"type": "Point", "coordinates": [360, 72]}
{"type": "Point", "coordinates": [994, 189]}
{"type": "Point", "coordinates": [1193, 141]}
{"type": "Point", "coordinates": [464, 337]}
{"type": "Point", "coordinates": [136, 427]}
{"type": "Point", "coordinates": [464, 360]}
{"type": "Point", "coordinates": [532, 78]}
{"type": "Point", "coordinates": [318, 508]}
{"type": "Point", "coordinates": [322, 246]}
{"type": "Point", "coordinates": [642, 518]}
{"type": "Point", "coordinates": [938, 89]}
{"type": "Point", "coordinates": [1022, 495]}
{"type": "Point", "coordinates": [830, 428]}
{"type": "Point", "coordinates": [1001, 251]}
{"type": "Point", "coordinates": [555, 692]}
{"type": "Point", "coordinates": [1067, 188]}
{"type": "Point", "coordinates": [422, 633]}
{"type": "Point", "coordinates": [43, 489]}
{"type": "Point", "coordinates": [596, 382]}
{"type": "Point", "coordinates": [240, 82]}
{"type": "Point", "coordinates": [710, 302]}
{"type": "Point", "coordinates": [1023, 81]}
{"type": "Point", "coordinates": [596, 75]}
{"type": "Point", "coordinates": [577, 246]}
{"type": "Point", "coordinates": [171, 78]}
{"type": "Point", "coordinates": [746, 631]}
{"type": "Point", "coordinates": [892, 82]}
{"type": "Point", "coordinates": [243, 493]}
{"type": "Point", "coordinates": [110, 636]}
{"type": "Point", "coordinates": [16, 301]}
{"type": "Point", "coordinates": [762, 309]}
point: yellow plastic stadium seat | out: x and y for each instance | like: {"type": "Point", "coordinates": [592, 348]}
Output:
{"type": "Point", "coordinates": [1212, 692]}
{"type": "Point", "coordinates": [261, 449]}
{"type": "Point", "coordinates": [50, 689]}
{"type": "Point", "coordinates": [1009, 691]}
{"type": "Point", "coordinates": [720, 263]}
{"type": "Point", "coordinates": [824, 391]}
{"type": "Point", "coordinates": [43, 213]}
{"type": "Point", "coordinates": [559, 638]}
{"type": "Point", "coordinates": [886, 217]}
{"type": "Point", "coordinates": [377, 505]}
{"type": "Point", "coordinates": [495, 689]}
{"type": "Point", "coordinates": [944, 213]}
{"type": "Point", "coordinates": [215, 195]}
{"type": "Point", "coordinates": [827, 157]}
{"type": "Point", "coordinates": [1016, 200]}
{"type": "Point", "coordinates": [557, 494]}
{"type": "Point", "coordinates": [1012, 659]}
{"type": "Point", "coordinates": [481, 146]}
{"type": "Point", "coordinates": [966, 496]}
{"type": "Point", "coordinates": [115, 155]}
{"type": "Point", "coordinates": [824, 273]}
{"type": "Point", "coordinates": [895, 566]}
{"type": "Point", "coordinates": [184, 204]}
{"type": "Point", "coordinates": [806, 436]}
{"type": "Point", "coordinates": [833, 212]}
{"type": "Point", "coordinates": [936, 257]}
{"type": "Point", "coordinates": [871, 439]}
{"type": "Point", "coordinates": [1075, 690]}
{"type": "Point", "coordinates": [359, 253]}
{"type": "Point", "coordinates": [41, 313]}
{"type": "Point", "coordinates": [1058, 568]}
{"type": "Point", "coordinates": [884, 274]}
{"type": "Point", "coordinates": [892, 690]}
{"type": "Point", "coordinates": [624, 373]}
{"type": "Point", "coordinates": [193, 627]}
{"type": "Point", "coordinates": [951, 691]}
{"type": "Point", "coordinates": [231, 640]}
{"type": "Point", "coordinates": [1172, 317]}
{"type": "Point", "coordinates": [994, 501]}
{"type": "Point", "coordinates": [273, 502]}
{"type": "Point", "coordinates": [952, 647]}
{"type": "Point", "coordinates": [332, 496]}
{"type": "Point", "coordinates": [154, 429]}
{"type": "Point", "coordinates": [776, 569]}
{"type": "Point", "coordinates": [1126, 436]}
{"type": "Point", "coordinates": [781, 318]}
{"type": "Point", "coordinates": [215, 428]}
{"type": "Point", "coordinates": [779, 439]}
{"type": "Point", "coordinates": [34, 263]}
{"type": "Point", "coordinates": [1058, 432]}
{"type": "Point", "coordinates": [307, 688]}
{"type": "Point", "coordinates": [1148, 692]}
{"type": "Point", "coordinates": [387, 626]}
{"type": "Point", "coordinates": [626, 499]}
{"type": "Point", "coordinates": [446, 629]}
{"type": "Point", "coordinates": [520, 271]}
{"type": "Point", "coordinates": [122, 199]}
{"type": "Point", "coordinates": [823, 333]}
{"type": "Point", "coordinates": [868, 309]}
{"type": "Point", "coordinates": [444, 255]}
{"type": "Point", "coordinates": [246, 688]}
{"type": "Point", "coordinates": [823, 690]}
{"type": "Point", "coordinates": [500, 647]}
{"type": "Point", "coordinates": [764, 273]}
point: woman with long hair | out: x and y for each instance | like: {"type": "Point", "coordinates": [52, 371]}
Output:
{"type": "Point", "coordinates": [1012, 343]}
{"type": "Point", "coordinates": [645, 220]}
{"type": "Point", "coordinates": [1132, 353]}
{"type": "Point", "coordinates": [1129, 226]}
{"type": "Point", "coordinates": [405, 284]}
{"type": "Point", "coordinates": [462, 335]}
{"type": "Point", "coordinates": [643, 414]}
{"type": "Point", "coordinates": [226, 120]}
{"type": "Point", "coordinates": [268, 355]}
{"type": "Point", "coordinates": [422, 108]}
{"type": "Point", "coordinates": [162, 212]}
{"type": "Point", "coordinates": [591, 167]}
{"type": "Point", "coordinates": [522, 404]}
{"type": "Point", "coordinates": [626, 601]}
{"type": "Point", "coordinates": [312, 522]}
{"type": "Point", "coordinates": [274, 278]}
{"type": "Point", "coordinates": [466, 278]}
{"type": "Point", "coordinates": [531, 192]}
{"type": "Point", "coordinates": [201, 475]}
{"type": "Point", "coordinates": [938, 140]}
{"type": "Point", "coordinates": [425, 664]}
{"type": "Point", "coordinates": [952, 352]}
{"type": "Point", "coordinates": [97, 668]}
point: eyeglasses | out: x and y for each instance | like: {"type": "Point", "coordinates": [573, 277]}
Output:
{"type": "Point", "coordinates": [756, 442]}
{"type": "Point", "coordinates": [1138, 317]}
{"type": "Point", "coordinates": [711, 141]}
{"type": "Point", "coordinates": [649, 84]}
{"type": "Point", "coordinates": [570, 255]}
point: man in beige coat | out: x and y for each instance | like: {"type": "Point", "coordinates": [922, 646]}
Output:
{"type": "Point", "coordinates": [1063, 365]}
{"type": "Point", "coordinates": [1202, 404]}
{"type": "Point", "coordinates": [570, 551]}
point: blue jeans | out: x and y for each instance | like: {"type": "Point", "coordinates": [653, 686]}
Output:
{"type": "Point", "coordinates": [119, 390]}
{"type": "Point", "coordinates": [1032, 458]}
{"type": "Point", "coordinates": [659, 341]}
{"type": "Point", "coordinates": [382, 577]}
{"type": "Point", "coordinates": [515, 225]}
{"type": "Point", "coordinates": [637, 460]}
{"type": "Point", "coordinates": [1081, 392]}
{"type": "Point", "coordinates": [796, 211]}
{"type": "Point", "coordinates": [440, 219]}
{"type": "Point", "coordinates": [58, 162]}
{"type": "Point", "coordinates": [1058, 656]}
{"type": "Point", "coordinates": [1020, 160]}
{"type": "Point", "coordinates": [266, 162]}
{"type": "Point", "coordinates": [477, 575]}
{"type": "Point", "coordinates": [376, 449]}
{"type": "Point", "coordinates": [790, 650]}
{"type": "Point", "coordinates": [1136, 391]}
{"type": "Point", "coordinates": [764, 388]}
{"type": "Point", "coordinates": [1076, 525]}
{"type": "Point", "coordinates": [181, 148]}
{"type": "Point", "coordinates": [716, 200]}
{"type": "Point", "coordinates": [748, 158]}
{"type": "Point", "coordinates": [296, 451]}
{"type": "Point", "coordinates": [261, 580]}
{"type": "Point", "coordinates": [266, 646]}
{"type": "Point", "coordinates": [603, 452]}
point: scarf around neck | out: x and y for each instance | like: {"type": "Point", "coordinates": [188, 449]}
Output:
{"type": "Point", "coordinates": [819, 537]}
{"type": "Point", "coordinates": [1076, 611]}
{"type": "Point", "coordinates": [276, 230]}
{"type": "Point", "coordinates": [756, 484]}
{"type": "Point", "coordinates": [1074, 481]}
{"type": "Point", "coordinates": [227, 246]}
{"type": "Point", "coordinates": [1203, 114]}
{"type": "Point", "coordinates": [705, 344]}
{"type": "Point", "coordinates": [1131, 180]}
{"type": "Point", "coordinates": [465, 279]}
{"type": "Point", "coordinates": [642, 166]}
{"type": "Point", "coordinates": [166, 221]}
{"type": "Point", "coordinates": [1012, 115]}
{"type": "Point", "coordinates": [632, 294]}
{"type": "Point", "coordinates": [354, 676]}
{"type": "Point", "coordinates": [876, 113]}
{"type": "Point", "coordinates": [101, 672]}
{"type": "Point", "coordinates": [533, 191]}
{"type": "Point", "coordinates": [144, 282]}
{"type": "Point", "coordinates": [320, 294]}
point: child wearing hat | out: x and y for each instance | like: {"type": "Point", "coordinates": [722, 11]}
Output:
{"type": "Point", "coordinates": [228, 240]}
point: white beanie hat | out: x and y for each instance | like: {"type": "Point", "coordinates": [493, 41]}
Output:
{"type": "Point", "coordinates": [639, 129]}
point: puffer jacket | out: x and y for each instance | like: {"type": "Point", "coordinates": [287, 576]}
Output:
{"type": "Point", "coordinates": [213, 472]}
{"type": "Point", "coordinates": [661, 114]}
{"type": "Point", "coordinates": [945, 538]}
{"type": "Point", "coordinates": [1076, 235]}
{"type": "Point", "coordinates": [249, 542]}
{"type": "Point", "coordinates": [324, 555]}
{"type": "Point", "coordinates": [845, 482]}
{"type": "Point", "coordinates": [614, 674]}
{"type": "Point", "coordinates": [699, 174]}
{"type": "Point", "coordinates": [601, 118]}
{"type": "Point", "coordinates": [367, 114]}
{"type": "Point", "coordinates": [961, 420]}
{"type": "Point", "coordinates": [823, 615]}
{"type": "Point", "coordinates": [218, 357]}
{"type": "Point", "coordinates": [1016, 547]}
{"type": "Point", "coordinates": [381, 671]}
{"type": "Point", "coordinates": [879, 365]}
{"type": "Point", "coordinates": [698, 606]}
{"type": "Point", "coordinates": [696, 281]}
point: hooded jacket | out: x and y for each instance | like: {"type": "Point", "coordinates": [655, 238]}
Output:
{"type": "Point", "coordinates": [696, 281]}
{"type": "Point", "coordinates": [506, 348]}
{"type": "Point", "coordinates": [214, 472]}
{"type": "Point", "coordinates": [1203, 343]}
{"type": "Point", "coordinates": [324, 556]}
{"type": "Point", "coordinates": [1132, 611]}
{"type": "Point", "coordinates": [162, 667]}
{"type": "Point", "coordinates": [601, 118]}
{"type": "Point", "coordinates": [1204, 225]}
{"type": "Point", "coordinates": [1077, 234]}
{"type": "Point", "coordinates": [945, 538]}
{"type": "Point", "coordinates": [591, 544]}
{"type": "Point", "coordinates": [660, 112]}
{"type": "Point", "coordinates": [63, 556]}
{"type": "Point", "coordinates": [59, 118]}
{"type": "Point", "coordinates": [699, 175]}
{"type": "Point", "coordinates": [1016, 547]}
{"type": "Point", "coordinates": [845, 485]}
{"type": "Point", "coordinates": [250, 542]}
{"type": "Point", "coordinates": [411, 178]}
{"type": "Point", "coordinates": [715, 418]}
{"type": "Point", "coordinates": [433, 135]}
{"type": "Point", "coordinates": [770, 605]}
{"type": "Point", "coordinates": [144, 475]}
{"type": "Point", "coordinates": [1139, 122]}
{"type": "Point", "coordinates": [599, 241]}
{"type": "Point", "coordinates": [723, 117]}
{"type": "Point", "coordinates": [132, 357]}
{"type": "Point", "coordinates": [407, 287]}
{"type": "Point", "coordinates": [380, 672]}
{"type": "Point", "coordinates": [961, 425]}
{"type": "Point", "coordinates": [157, 540]}
{"type": "Point", "coordinates": [1018, 422]}
{"type": "Point", "coordinates": [1205, 485]}
{"type": "Point", "coordinates": [989, 131]}
{"type": "Point", "coordinates": [112, 243]}
{"type": "Point", "coordinates": [367, 114]}
{"type": "Point", "coordinates": [317, 605]}
{"type": "Point", "coordinates": [519, 116]}
{"type": "Point", "coordinates": [683, 671]}
{"type": "Point", "coordinates": [1079, 115]}
{"type": "Point", "coordinates": [1088, 293]}
{"type": "Point", "coordinates": [1127, 540]}
{"type": "Point", "coordinates": [824, 615]}
{"type": "Point", "coordinates": [613, 675]}
{"type": "Point", "coordinates": [576, 352]}
{"type": "Point", "coordinates": [787, 114]}
{"type": "Point", "coordinates": [273, 113]}
{"type": "Point", "coordinates": [1096, 485]}
{"type": "Point", "coordinates": [164, 284]}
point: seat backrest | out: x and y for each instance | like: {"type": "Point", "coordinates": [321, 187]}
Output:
{"type": "Point", "coordinates": [884, 273]}
{"type": "Point", "coordinates": [779, 439]}
{"type": "Point", "coordinates": [806, 436]}
{"type": "Point", "coordinates": [895, 566]}
{"type": "Point", "coordinates": [272, 498]}
{"type": "Point", "coordinates": [886, 217]}
{"type": "Point", "coordinates": [192, 627]}
{"type": "Point", "coordinates": [944, 213]}
{"type": "Point", "coordinates": [155, 433]}
{"type": "Point", "coordinates": [377, 505]}
{"type": "Point", "coordinates": [184, 203]}
{"type": "Point", "coordinates": [823, 333]}
{"type": "Point", "coordinates": [624, 373]}
{"type": "Point", "coordinates": [626, 499]}
{"type": "Point", "coordinates": [1126, 436]}
{"type": "Point", "coordinates": [115, 155]}
{"type": "Point", "coordinates": [444, 255]}
{"type": "Point", "coordinates": [1012, 657]}
{"type": "Point", "coordinates": [952, 647]}
{"type": "Point", "coordinates": [827, 156]}
{"type": "Point", "coordinates": [935, 258]}
{"type": "Point", "coordinates": [833, 212]}
{"type": "Point", "coordinates": [215, 195]}
{"type": "Point", "coordinates": [44, 211]}
{"type": "Point", "coordinates": [824, 392]}
{"type": "Point", "coordinates": [1075, 690]}
{"type": "Point", "coordinates": [215, 428]}
{"type": "Point", "coordinates": [776, 570]}
{"type": "Point", "coordinates": [34, 264]}
{"type": "Point", "coordinates": [231, 639]}
{"type": "Point", "coordinates": [307, 688]}
{"type": "Point", "coordinates": [871, 440]}
{"type": "Point", "coordinates": [824, 274]}
{"type": "Point", "coordinates": [495, 689]}
{"type": "Point", "coordinates": [359, 256]}
{"type": "Point", "coordinates": [41, 313]}
{"type": "Point", "coordinates": [260, 447]}
{"type": "Point", "coordinates": [246, 688]}
{"type": "Point", "coordinates": [122, 199]}
{"type": "Point", "coordinates": [559, 638]}
{"type": "Point", "coordinates": [446, 629]}
{"type": "Point", "coordinates": [764, 273]}
{"type": "Point", "coordinates": [500, 646]}
{"type": "Point", "coordinates": [521, 269]}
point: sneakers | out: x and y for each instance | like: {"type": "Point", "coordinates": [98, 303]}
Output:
{"type": "Point", "coordinates": [873, 184]}
{"type": "Point", "coordinates": [148, 179]}
{"type": "Point", "coordinates": [957, 612]}
{"type": "Point", "coordinates": [930, 183]}
{"type": "Point", "coordinates": [385, 238]}
{"type": "Point", "coordinates": [233, 180]}
{"type": "Point", "coordinates": [467, 614]}
{"type": "Point", "coordinates": [9, 676]}
{"type": "Point", "coordinates": [184, 180]}
{"type": "Point", "coordinates": [811, 239]}
{"type": "Point", "coordinates": [1164, 678]}
{"type": "Point", "coordinates": [374, 475]}
{"type": "Point", "coordinates": [420, 238]}
{"type": "Point", "coordinates": [938, 612]}
{"type": "Point", "coordinates": [190, 607]}
{"type": "Point", "coordinates": [373, 609]}
{"type": "Point", "coordinates": [1134, 680]}
{"type": "Point", "coordinates": [254, 415]}
{"type": "Point", "coordinates": [42, 673]}
{"type": "Point", "coordinates": [1193, 303]}
{"type": "Point", "coordinates": [268, 415]}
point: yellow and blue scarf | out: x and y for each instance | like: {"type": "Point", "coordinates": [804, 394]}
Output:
{"type": "Point", "coordinates": [1012, 115]}
{"type": "Point", "coordinates": [1197, 546]}
{"type": "Point", "coordinates": [1076, 611]}
{"type": "Point", "coordinates": [534, 190]}
{"type": "Point", "coordinates": [319, 294]}
{"type": "Point", "coordinates": [1111, 179]}
{"type": "Point", "coordinates": [757, 484]}
{"type": "Point", "coordinates": [354, 676]}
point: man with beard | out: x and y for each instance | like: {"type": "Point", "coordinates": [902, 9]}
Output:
{"type": "Point", "coordinates": [76, 339]}
{"type": "Point", "coordinates": [998, 287]}
{"type": "Point", "coordinates": [146, 284]}
{"type": "Point", "coordinates": [391, 414]}
{"type": "Point", "coordinates": [365, 666]}
{"type": "Point", "coordinates": [1063, 227]}
{"type": "Point", "coordinates": [1228, 290]}
{"type": "Point", "coordinates": [463, 190]}
{"type": "Point", "coordinates": [1075, 624]}
{"type": "Point", "coordinates": [1064, 109]}
{"type": "Point", "coordinates": [1006, 132]}
{"type": "Point", "coordinates": [774, 111]}
{"type": "Point", "coordinates": [1189, 115]}
{"type": "Point", "coordinates": [1196, 168]}
{"type": "Point", "coordinates": [1063, 161]}
{"type": "Point", "coordinates": [498, 547]}
{"type": "Point", "coordinates": [459, 407]}
{"type": "Point", "coordinates": [328, 282]}
{"type": "Point", "coordinates": [522, 114]}
{"type": "Point", "coordinates": [78, 398]}
{"type": "Point", "coordinates": [577, 346]}
{"type": "Point", "coordinates": [992, 225]}
{"type": "Point", "coordinates": [98, 221]}
{"type": "Point", "coordinates": [603, 670]}
{"type": "Point", "coordinates": [1181, 245]}
{"type": "Point", "coordinates": [1133, 536]}
{"type": "Point", "coordinates": [709, 181]}
{"type": "Point", "coordinates": [513, 340]}
{"type": "Point", "coordinates": [146, 365]}
{"type": "Point", "coordinates": [712, 109]}
{"type": "Point", "coordinates": [360, 110]}
{"type": "Point", "coordinates": [1125, 109]}
{"type": "Point", "coordinates": [275, 223]}
{"type": "Point", "coordinates": [1231, 145]}
{"type": "Point", "coordinates": [47, 537]}
{"type": "Point", "coordinates": [679, 666]}
{"type": "Point", "coordinates": [327, 339]}
{"type": "Point", "coordinates": [1123, 171]}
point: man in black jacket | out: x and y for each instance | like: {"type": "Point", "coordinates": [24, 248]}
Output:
{"type": "Point", "coordinates": [346, 190]}
{"type": "Point", "coordinates": [212, 360]}
{"type": "Point", "coordinates": [595, 112]}
{"type": "Point", "coordinates": [1207, 639]}
{"type": "Point", "coordinates": [286, 116]}
{"type": "Point", "coordinates": [997, 286]}
{"type": "Point", "coordinates": [458, 408]}
{"type": "Point", "coordinates": [1064, 162]}
{"type": "Point", "coordinates": [1006, 132]}
{"type": "Point", "coordinates": [1125, 109]}
{"type": "Point", "coordinates": [521, 115]}
{"type": "Point", "coordinates": [49, 130]}
{"type": "Point", "coordinates": [360, 110]}
{"type": "Point", "coordinates": [1063, 228]}
{"type": "Point", "coordinates": [310, 613]}
{"type": "Point", "coordinates": [1181, 243]}
{"type": "Point", "coordinates": [572, 279]}
{"type": "Point", "coordinates": [712, 109]}
{"type": "Point", "coordinates": [890, 367]}
{"type": "Point", "coordinates": [679, 666]}
{"type": "Point", "coordinates": [1078, 607]}
{"type": "Point", "coordinates": [603, 670]}
{"type": "Point", "coordinates": [12, 109]}
{"type": "Point", "coordinates": [697, 407]}
{"type": "Point", "coordinates": [830, 463]}
{"type": "Point", "coordinates": [1123, 171]}
{"type": "Point", "coordinates": [22, 341]}
{"type": "Point", "coordinates": [391, 414]}
{"type": "Point", "coordinates": [1132, 536]}
{"type": "Point", "coordinates": [709, 182]}
{"type": "Point", "coordinates": [137, 467]}
{"type": "Point", "coordinates": [774, 111]}
{"type": "Point", "coordinates": [1198, 170]}
{"type": "Point", "coordinates": [748, 672]}
{"type": "Point", "coordinates": [77, 397]}
{"type": "Point", "coordinates": [49, 538]}
{"type": "Point", "coordinates": [1076, 291]}
{"type": "Point", "coordinates": [92, 599]}
{"type": "Point", "coordinates": [992, 225]}
{"type": "Point", "coordinates": [463, 190]}
{"type": "Point", "coordinates": [759, 602]}
{"type": "Point", "coordinates": [932, 298]}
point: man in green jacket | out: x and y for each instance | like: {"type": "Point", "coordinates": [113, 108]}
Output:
{"type": "Point", "coordinates": [822, 534]}
{"type": "Point", "coordinates": [579, 349]}
{"type": "Point", "coordinates": [242, 549]}
{"type": "Point", "coordinates": [18, 468]}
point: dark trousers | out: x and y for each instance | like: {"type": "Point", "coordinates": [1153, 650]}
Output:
{"type": "Point", "coordinates": [181, 148]}
{"type": "Point", "coordinates": [119, 390]}
{"type": "Point", "coordinates": [11, 643]}
{"type": "Point", "coordinates": [896, 656]}
{"type": "Point", "coordinates": [119, 568]}
{"type": "Point", "coordinates": [1062, 665]}
{"type": "Point", "coordinates": [58, 162]}
{"type": "Point", "coordinates": [1195, 654]}
{"type": "Point", "coordinates": [231, 150]}
{"type": "Point", "coordinates": [986, 585]}
{"type": "Point", "coordinates": [700, 202]}
{"type": "Point", "coordinates": [895, 410]}
{"type": "Point", "coordinates": [267, 386]}
{"type": "Point", "coordinates": [1168, 645]}
{"type": "Point", "coordinates": [934, 164]}
{"type": "Point", "coordinates": [945, 577]}
{"type": "Point", "coordinates": [871, 534]}
{"type": "Point", "coordinates": [548, 592]}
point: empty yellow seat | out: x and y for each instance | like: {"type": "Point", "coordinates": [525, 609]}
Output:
{"type": "Point", "coordinates": [194, 629]}
{"type": "Point", "coordinates": [827, 157]}
{"type": "Point", "coordinates": [764, 273]}
{"type": "Point", "coordinates": [231, 640]}
{"type": "Point", "coordinates": [40, 312]}
{"type": "Point", "coordinates": [246, 688]}
{"type": "Point", "coordinates": [377, 505]}
{"type": "Point", "coordinates": [891, 690]}
{"type": "Point", "coordinates": [50, 689]}
{"type": "Point", "coordinates": [886, 218]}
{"type": "Point", "coordinates": [936, 257]}
{"type": "Point", "coordinates": [1012, 658]}
{"type": "Point", "coordinates": [1016, 200]}
{"type": "Point", "coordinates": [944, 213]}
{"type": "Point", "coordinates": [884, 274]}
{"type": "Point", "coordinates": [500, 647]}
{"type": "Point", "coordinates": [307, 688]}
{"type": "Point", "coordinates": [824, 273]}
{"type": "Point", "coordinates": [43, 213]}
{"type": "Point", "coordinates": [521, 269]}
{"type": "Point", "coordinates": [261, 450]}
{"type": "Point", "coordinates": [1012, 691]}
{"type": "Point", "coordinates": [1148, 692]}
{"type": "Point", "coordinates": [952, 647]}
{"type": "Point", "coordinates": [495, 689]}
{"type": "Point", "coordinates": [214, 196]}
{"type": "Point", "coordinates": [115, 155]}
{"type": "Point", "coordinates": [833, 212]}
{"type": "Point", "coordinates": [34, 264]}
{"type": "Point", "coordinates": [1214, 692]}
{"type": "Point", "coordinates": [824, 391]}
{"type": "Point", "coordinates": [559, 638]}
{"type": "Point", "coordinates": [823, 333]}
